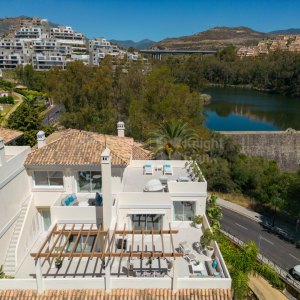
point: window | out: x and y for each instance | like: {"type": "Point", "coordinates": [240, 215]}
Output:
{"type": "Point", "coordinates": [89, 182]}
{"type": "Point", "coordinates": [48, 178]}
{"type": "Point", "coordinates": [81, 244]}
{"type": "Point", "coordinates": [184, 210]}
{"type": "Point", "coordinates": [46, 217]}
{"type": "Point", "coordinates": [146, 222]}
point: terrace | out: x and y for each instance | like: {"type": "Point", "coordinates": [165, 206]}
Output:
{"type": "Point", "coordinates": [136, 177]}
{"type": "Point", "coordinates": [150, 257]}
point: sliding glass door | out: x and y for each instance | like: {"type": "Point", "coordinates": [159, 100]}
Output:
{"type": "Point", "coordinates": [146, 221]}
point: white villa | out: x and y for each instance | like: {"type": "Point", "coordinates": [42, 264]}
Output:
{"type": "Point", "coordinates": [89, 211]}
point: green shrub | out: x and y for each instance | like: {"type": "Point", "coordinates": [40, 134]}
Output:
{"type": "Point", "coordinates": [7, 100]}
{"type": "Point", "coordinates": [269, 274]}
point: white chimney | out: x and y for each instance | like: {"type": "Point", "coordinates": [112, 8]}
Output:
{"type": "Point", "coordinates": [121, 129]}
{"type": "Point", "coordinates": [41, 139]}
{"type": "Point", "coordinates": [106, 188]}
{"type": "Point", "coordinates": [2, 152]}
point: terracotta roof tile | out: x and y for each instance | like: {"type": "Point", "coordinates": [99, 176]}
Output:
{"type": "Point", "coordinates": [119, 294]}
{"type": "Point", "coordinates": [74, 147]}
{"type": "Point", "coordinates": [9, 135]}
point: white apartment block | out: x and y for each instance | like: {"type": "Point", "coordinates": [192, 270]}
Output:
{"type": "Point", "coordinates": [29, 33]}
{"type": "Point", "coordinates": [102, 215]}
{"type": "Point", "coordinates": [47, 60]}
{"type": "Point", "coordinates": [10, 59]}
{"type": "Point", "coordinates": [66, 33]}
{"type": "Point", "coordinates": [41, 46]}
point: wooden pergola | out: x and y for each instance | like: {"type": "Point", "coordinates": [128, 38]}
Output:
{"type": "Point", "coordinates": [57, 242]}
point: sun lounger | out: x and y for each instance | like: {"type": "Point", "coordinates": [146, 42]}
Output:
{"type": "Point", "coordinates": [168, 169]}
{"type": "Point", "coordinates": [148, 168]}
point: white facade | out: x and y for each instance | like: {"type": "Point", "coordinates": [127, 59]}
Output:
{"type": "Point", "coordinates": [14, 191]}
{"type": "Point", "coordinates": [128, 200]}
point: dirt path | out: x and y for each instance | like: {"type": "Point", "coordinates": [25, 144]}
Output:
{"type": "Point", "coordinates": [263, 290]}
{"type": "Point", "coordinates": [20, 101]}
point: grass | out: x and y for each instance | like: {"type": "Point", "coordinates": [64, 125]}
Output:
{"type": "Point", "coordinates": [237, 199]}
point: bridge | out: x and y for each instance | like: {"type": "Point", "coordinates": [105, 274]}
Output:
{"type": "Point", "coordinates": [156, 53]}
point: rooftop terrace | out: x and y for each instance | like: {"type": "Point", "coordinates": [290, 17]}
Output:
{"type": "Point", "coordinates": [135, 178]}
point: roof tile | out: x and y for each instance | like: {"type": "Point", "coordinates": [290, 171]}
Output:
{"type": "Point", "coordinates": [73, 147]}
{"type": "Point", "coordinates": [118, 294]}
{"type": "Point", "coordinates": [9, 135]}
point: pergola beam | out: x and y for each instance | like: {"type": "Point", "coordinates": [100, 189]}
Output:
{"type": "Point", "coordinates": [76, 242]}
{"type": "Point", "coordinates": [114, 254]}
{"type": "Point", "coordinates": [46, 241]}
{"type": "Point", "coordinates": [109, 251]}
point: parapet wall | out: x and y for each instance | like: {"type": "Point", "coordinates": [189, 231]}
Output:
{"type": "Point", "coordinates": [281, 146]}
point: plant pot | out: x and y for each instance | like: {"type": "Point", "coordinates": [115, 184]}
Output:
{"type": "Point", "coordinates": [58, 264]}
{"type": "Point", "coordinates": [209, 251]}
{"type": "Point", "coordinates": [198, 226]}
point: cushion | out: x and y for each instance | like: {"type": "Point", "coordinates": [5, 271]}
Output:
{"type": "Point", "coordinates": [214, 264]}
{"type": "Point", "coordinates": [99, 199]}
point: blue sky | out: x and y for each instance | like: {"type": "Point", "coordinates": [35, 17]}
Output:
{"type": "Point", "coordinates": [154, 19]}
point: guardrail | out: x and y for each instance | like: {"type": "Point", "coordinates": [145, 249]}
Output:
{"type": "Point", "coordinates": [284, 275]}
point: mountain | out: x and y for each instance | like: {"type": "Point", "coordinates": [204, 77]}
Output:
{"type": "Point", "coordinates": [7, 23]}
{"type": "Point", "coordinates": [287, 31]}
{"type": "Point", "coordinates": [143, 44]}
{"type": "Point", "coordinates": [214, 39]}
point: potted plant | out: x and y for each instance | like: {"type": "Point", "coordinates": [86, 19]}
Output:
{"type": "Point", "coordinates": [197, 220]}
{"type": "Point", "coordinates": [149, 262]}
{"type": "Point", "coordinates": [58, 262]}
{"type": "Point", "coordinates": [205, 242]}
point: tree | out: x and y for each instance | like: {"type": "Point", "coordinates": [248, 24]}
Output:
{"type": "Point", "coordinates": [173, 140]}
{"type": "Point", "coordinates": [26, 119]}
{"type": "Point", "coordinates": [214, 212]}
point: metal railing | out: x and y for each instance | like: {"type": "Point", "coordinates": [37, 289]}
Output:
{"type": "Point", "coordinates": [284, 275]}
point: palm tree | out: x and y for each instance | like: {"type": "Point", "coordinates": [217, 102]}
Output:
{"type": "Point", "coordinates": [172, 139]}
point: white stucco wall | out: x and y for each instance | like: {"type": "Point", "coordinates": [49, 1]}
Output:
{"type": "Point", "coordinates": [12, 195]}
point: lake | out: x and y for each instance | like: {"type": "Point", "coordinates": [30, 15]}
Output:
{"type": "Point", "coordinates": [241, 109]}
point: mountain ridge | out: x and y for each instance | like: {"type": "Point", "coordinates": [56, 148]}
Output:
{"type": "Point", "coordinates": [142, 44]}
{"type": "Point", "coordinates": [286, 31]}
{"type": "Point", "coordinates": [214, 39]}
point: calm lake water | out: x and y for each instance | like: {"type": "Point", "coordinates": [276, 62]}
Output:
{"type": "Point", "coordinates": [241, 109]}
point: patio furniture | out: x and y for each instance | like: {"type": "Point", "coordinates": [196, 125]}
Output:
{"type": "Point", "coordinates": [183, 179]}
{"type": "Point", "coordinates": [168, 169]}
{"type": "Point", "coordinates": [190, 257]}
{"type": "Point", "coordinates": [153, 185]}
{"type": "Point", "coordinates": [183, 248]}
{"type": "Point", "coordinates": [199, 268]}
{"type": "Point", "coordinates": [69, 200]}
{"type": "Point", "coordinates": [148, 168]}
{"type": "Point", "coordinates": [159, 167]}
{"type": "Point", "coordinates": [163, 179]}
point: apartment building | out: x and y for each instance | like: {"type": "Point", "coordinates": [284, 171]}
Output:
{"type": "Point", "coordinates": [10, 59]}
{"type": "Point", "coordinates": [103, 215]}
{"type": "Point", "coordinates": [29, 33]}
{"type": "Point", "coordinates": [66, 33]}
{"type": "Point", "coordinates": [47, 60]}
{"type": "Point", "coordinates": [35, 42]}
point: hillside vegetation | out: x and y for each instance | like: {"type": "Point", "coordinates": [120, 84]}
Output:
{"type": "Point", "coordinates": [214, 39]}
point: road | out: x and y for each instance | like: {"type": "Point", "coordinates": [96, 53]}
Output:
{"type": "Point", "coordinates": [53, 114]}
{"type": "Point", "coordinates": [282, 253]}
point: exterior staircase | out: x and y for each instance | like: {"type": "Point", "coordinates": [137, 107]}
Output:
{"type": "Point", "coordinates": [9, 266]}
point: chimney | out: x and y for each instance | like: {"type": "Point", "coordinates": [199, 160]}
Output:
{"type": "Point", "coordinates": [106, 188]}
{"type": "Point", "coordinates": [2, 152]}
{"type": "Point", "coordinates": [41, 139]}
{"type": "Point", "coordinates": [121, 129]}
